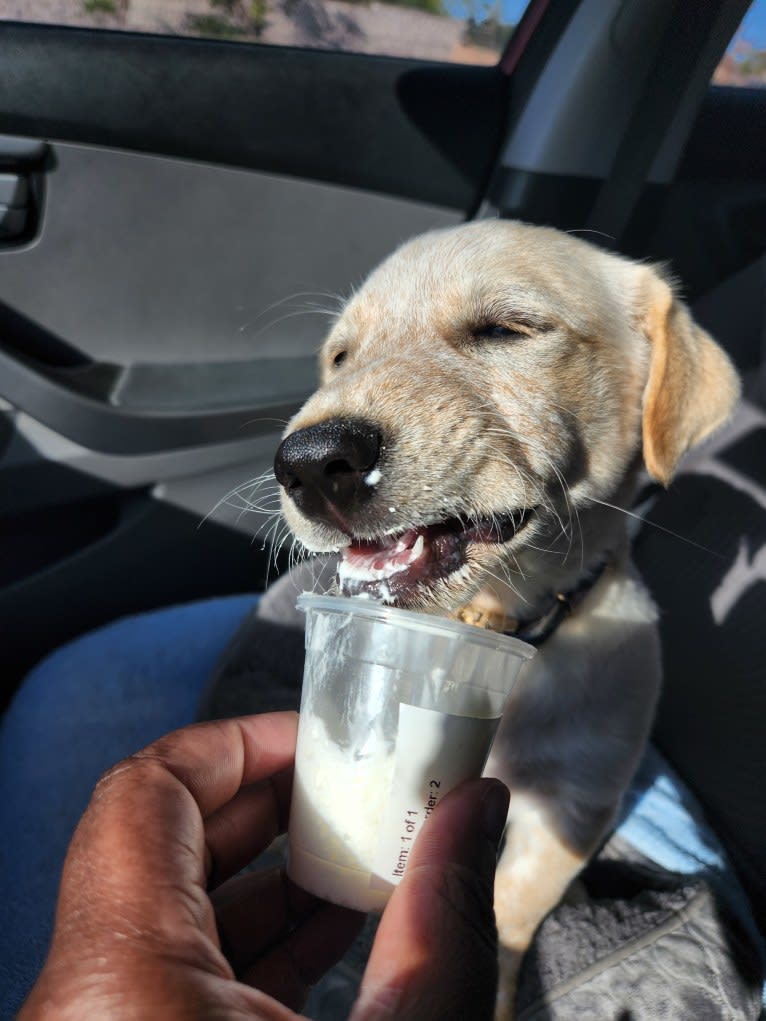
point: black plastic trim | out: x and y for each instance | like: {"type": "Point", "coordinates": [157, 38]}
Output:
{"type": "Point", "coordinates": [140, 409]}
{"type": "Point", "coordinates": [63, 399]}
{"type": "Point", "coordinates": [553, 200]}
{"type": "Point", "coordinates": [727, 140]}
{"type": "Point", "coordinates": [27, 159]}
{"type": "Point", "coordinates": [410, 128]}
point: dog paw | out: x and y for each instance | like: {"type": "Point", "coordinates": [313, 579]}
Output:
{"type": "Point", "coordinates": [575, 893]}
{"type": "Point", "coordinates": [509, 962]}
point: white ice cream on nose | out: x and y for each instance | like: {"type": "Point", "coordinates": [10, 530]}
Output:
{"type": "Point", "coordinates": [373, 477]}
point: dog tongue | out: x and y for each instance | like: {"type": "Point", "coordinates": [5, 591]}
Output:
{"type": "Point", "coordinates": [370, 561]}
{"type": "Point", "coordinates": [394, 567]}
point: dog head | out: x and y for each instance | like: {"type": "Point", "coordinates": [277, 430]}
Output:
{"type": "Point", "coordinates": [481, 395]}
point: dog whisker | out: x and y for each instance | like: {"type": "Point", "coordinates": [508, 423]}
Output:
{"type": "Point", "coordinates": [519, 568]}
{"type": "Point", "coordinates": [277, 549]}
{"type": "Point", "coordinates": [230, 495]}
{"type": "Point", "coordinates": [292, 297]}
{"type": "Point", "coordinates": [659, 528]}
{"type": "Point", "coordinates": [257, 421]}
{"type": "Point", "coordinates": [292, 315]}
{"type": "Point", "coordinates": [505, 581]}
{"type": "Point", "coordinates": [568, 533]}
{"type": "Point", "coordinates": [270, 540]}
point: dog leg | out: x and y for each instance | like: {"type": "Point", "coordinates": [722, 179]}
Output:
{"type": "Point", "coordinates": [533, 874]}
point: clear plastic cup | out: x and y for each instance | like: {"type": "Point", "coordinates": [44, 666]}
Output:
{"type": "Point", "coordinates": [397, 709]}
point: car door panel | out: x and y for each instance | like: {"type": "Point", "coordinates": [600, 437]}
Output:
{"type": "Point", "coordinates": [160, 260]}
{"type": "Point", "coordinates": [402, 126]}
{"type": "Point", "coordinates": [190, 220]}
{"type": "Point", "coordinates": [192, 225]}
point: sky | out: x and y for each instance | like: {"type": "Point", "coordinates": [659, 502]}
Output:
{"type": "Point", "coordinates": [753, 27]}
{"type": "Point", "coordinates": [512, 9]}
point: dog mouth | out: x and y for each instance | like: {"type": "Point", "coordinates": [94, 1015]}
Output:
{"type": "Point", "coordinates": [402, 567]}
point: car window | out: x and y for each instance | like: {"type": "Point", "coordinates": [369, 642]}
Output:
{"type": "Point", "coordinates": [458, 31]}
{"type": "Point", "coordinates": [744, 63]}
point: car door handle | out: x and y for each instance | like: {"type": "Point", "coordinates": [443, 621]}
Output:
{"type": "Point", "coordinates": [21, 162]}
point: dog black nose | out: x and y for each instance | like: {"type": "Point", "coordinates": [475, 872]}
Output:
{"type": "Point", "coordinates": [326, 464]}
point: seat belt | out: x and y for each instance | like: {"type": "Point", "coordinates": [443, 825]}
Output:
{"type": "Point", "coordinates": [689, 30]}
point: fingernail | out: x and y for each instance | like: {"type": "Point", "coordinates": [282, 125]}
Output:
{"type": "Point", "coordinates": [495, 808]}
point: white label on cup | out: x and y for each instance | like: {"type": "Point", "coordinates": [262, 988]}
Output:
{"type": "Point", "coordinates": [434, 753]}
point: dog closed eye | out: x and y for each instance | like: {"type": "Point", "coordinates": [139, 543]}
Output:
{"type": "Point", "coordinates": [489, 331]}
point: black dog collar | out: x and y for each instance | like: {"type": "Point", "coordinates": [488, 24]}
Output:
{"type": "Point", "coordinates": [538, 629]}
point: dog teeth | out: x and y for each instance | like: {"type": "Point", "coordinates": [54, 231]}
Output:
{"type": "Point", "coordinates": [382, 564]}
{"type": "Point", "coordinates": [348, 571]}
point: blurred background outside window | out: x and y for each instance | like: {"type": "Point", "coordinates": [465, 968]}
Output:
{"type": "Point", "coordinates": [457, 31]}
{"type": "Point", "coordinates": [460, 31]}
{"type": "Point", "coordinates": [744, 62]}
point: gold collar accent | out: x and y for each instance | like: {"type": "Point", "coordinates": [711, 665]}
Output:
{"type": "Point", "coordinates": [490, 620]}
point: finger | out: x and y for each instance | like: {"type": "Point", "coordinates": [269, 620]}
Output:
{"type": "Point", "coordinates": [142, 839]}
{"type": "Point", "coordinates": [213, 760]}
{"type": "Point", "coordinates": [435, 953]}
{"type": "Point", "coordinates": [279, 938]}
{"type": "Point", "coordinates": [239, 831]}
{"type": "Point", "coordinates": [256, 911]}
{"type": "Point", "coordinates": [289, 970]}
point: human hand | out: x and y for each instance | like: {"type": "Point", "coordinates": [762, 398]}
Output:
{"type": "Point", "coordinates": [147, 906]}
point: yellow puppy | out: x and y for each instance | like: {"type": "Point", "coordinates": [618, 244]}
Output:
{"type": "Point", "coordinates": [487, 400]}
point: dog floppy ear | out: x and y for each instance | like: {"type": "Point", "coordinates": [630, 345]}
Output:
{"type": "Point", "coordinates": [692, 386]}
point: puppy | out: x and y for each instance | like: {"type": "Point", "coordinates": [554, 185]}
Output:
{"type": "Point", "coordinates": [488, 399]}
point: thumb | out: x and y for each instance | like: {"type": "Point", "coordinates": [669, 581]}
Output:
{"type": "Point", "coordinates": [435, 952]}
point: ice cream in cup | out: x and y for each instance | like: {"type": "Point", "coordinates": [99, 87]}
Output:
{"type": "Point", "coordinates": [397, 709]}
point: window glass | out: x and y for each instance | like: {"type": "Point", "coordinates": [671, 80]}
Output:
{"type": "Point", "coordinates": [744, 62]}
{"type": "Point", "coordinates": [462, 31]}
